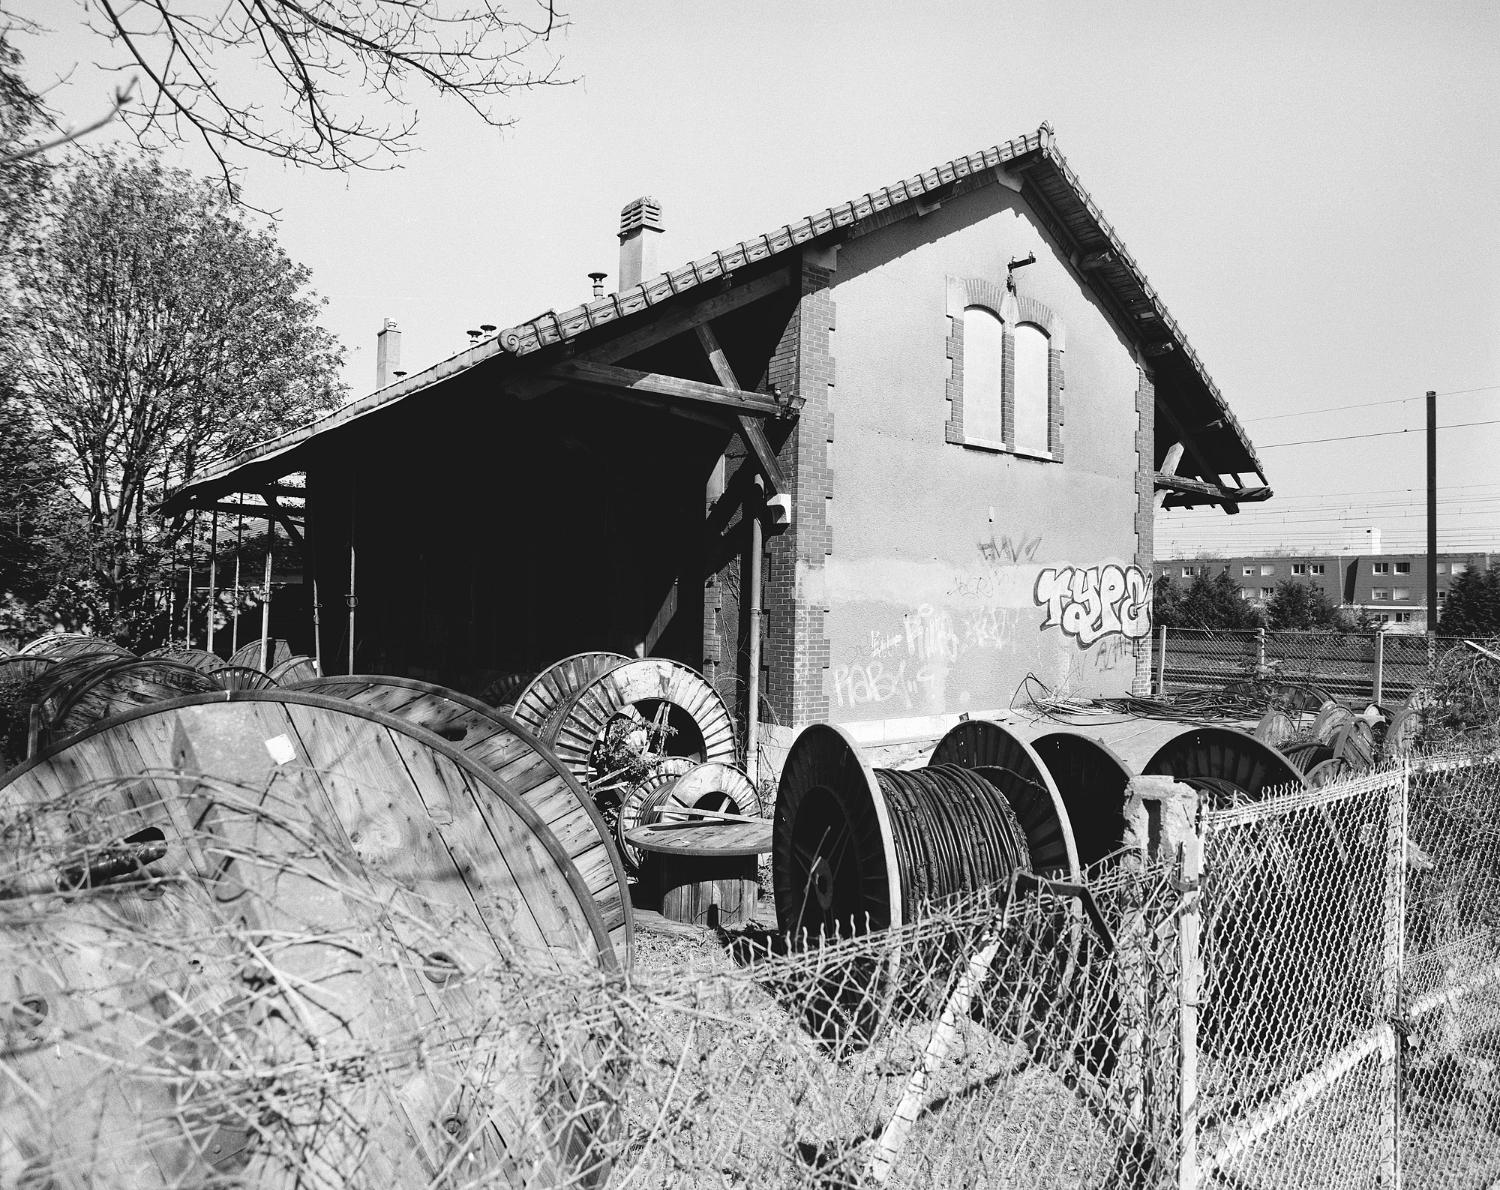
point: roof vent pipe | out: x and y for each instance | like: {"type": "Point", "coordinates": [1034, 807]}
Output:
{"type": "Point", "coordinates": [640, 226]}
{"type": "Point", "coordinates": [598, 280]}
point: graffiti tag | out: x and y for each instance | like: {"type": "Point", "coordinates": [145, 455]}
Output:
{"type": "Point", "coordinates": [1021, 549]}
{"type": "Point", "coordinates": [1100, 601]}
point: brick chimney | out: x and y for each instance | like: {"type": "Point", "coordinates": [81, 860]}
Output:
{"type": "Point", "coordinates": [640, 226]}
{"type": "Point", "coordinates": [387, 354]}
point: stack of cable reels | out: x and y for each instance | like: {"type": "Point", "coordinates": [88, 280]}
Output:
{"type": "Point", "coordinates": [338, 898]}
{"type": "Point", "coordinates": [522, 763]}
{"type": "Point", "coordinates": [60, 646]}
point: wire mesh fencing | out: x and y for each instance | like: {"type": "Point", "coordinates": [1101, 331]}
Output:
{"type": "Point", "coordinates": [1303, 990]}
{"type": "Point", "coordinates": [1385, 667]}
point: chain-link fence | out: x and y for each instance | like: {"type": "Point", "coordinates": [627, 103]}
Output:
{"type": "Point", "coordinates": [1302, 991]}
{"type": "Point", "coordinates": [1382, 666]}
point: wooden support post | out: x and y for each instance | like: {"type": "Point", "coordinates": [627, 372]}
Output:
{"type": "Point", "coordinates": [213, 574]}
{"type": "Point", "coordinates": [311, 568]}
{"type": "Point", "coordinates": [1392, 976]}
{"type": "Point", "coordinates": [265, 607]}
{"type": "Point", "coordinates": [352, 599]}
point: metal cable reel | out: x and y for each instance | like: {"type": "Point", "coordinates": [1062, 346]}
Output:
{"type": "Point", "coordinates": [551, 688]}
{"type": "Point", "coordinates": [858, 851]}
{"type": "Point", "coordinates": [1092, 781]}
{"type": "Point", "coordinates": [361, 904]}
{"type": "Point", "coordinates": [1231, 766]}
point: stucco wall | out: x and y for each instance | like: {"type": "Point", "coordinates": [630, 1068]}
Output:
{"type": "Point", "coordinates": [937, 585]}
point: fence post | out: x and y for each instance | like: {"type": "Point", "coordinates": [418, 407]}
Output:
{"type": "Point", "coordinates": [1260, 652]}
{"type": "Point", "coordinates": [1377, 690]}
{"type": "Point", "coordinates": [1159, 1023]}
{"type": "Point", "coordinates": [1392, 974]}
{"type": "Point", "coordinates": [1161, 660]}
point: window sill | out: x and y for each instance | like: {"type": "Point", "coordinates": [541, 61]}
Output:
{"type": "Point", "coordinates": [999, 448]}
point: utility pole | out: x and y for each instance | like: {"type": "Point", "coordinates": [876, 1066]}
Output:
{"type": "Point", "coordinates": [1432, 608]}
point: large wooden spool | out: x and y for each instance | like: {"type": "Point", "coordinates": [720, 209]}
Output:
{"type": "Point", "coordinates": [277, 651]}
{"type": "Point", "coordinates": [276, 900]}
{"type": "Point", "coordinates": [243, 677]}
{"type": "Point", "coordinates": [294, 670]}
{"type": "Point", "coordinates": [557, 683]}
{"type": "Point", "coordinates": [1015, 768]}
{"type": "Point", "coordinates": [114, 687]}
{"type": "Point", "coordinates": [650, 691]}
{"type": "Point", "coordinates": [187, 655]}
{"type": "Point", "coordinates": [526, 766]}
{"type": "Point", "coordinates": [63, 646]}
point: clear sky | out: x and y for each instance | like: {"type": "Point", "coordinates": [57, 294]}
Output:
{"type": "Point", "coordinates": [1314, 190]}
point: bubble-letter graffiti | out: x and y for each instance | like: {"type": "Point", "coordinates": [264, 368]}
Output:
{"type": "Point", "coordinates": [1097, 602]}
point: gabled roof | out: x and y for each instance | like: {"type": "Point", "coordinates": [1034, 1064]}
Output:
{"type": "Point", "coordinates": [1184, 389]}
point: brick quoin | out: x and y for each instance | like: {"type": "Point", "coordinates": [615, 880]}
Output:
{"type": "Point", "coordinates": [1145, 510]}
{"type": "Point", "coordinates": [795, 645]}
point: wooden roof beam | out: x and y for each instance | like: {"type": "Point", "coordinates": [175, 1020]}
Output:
{"type": "Point", "coordinates": [750, 429]}
{"type": "Point", "coordinates": [667, 388]}
{"type": "Point", "coordinates": [1195, 491]}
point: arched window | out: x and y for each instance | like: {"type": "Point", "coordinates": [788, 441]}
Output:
{"type": "Point", "coordinates": [1033, 408]}
{"type": "Point", "coordinates": [984, 375]}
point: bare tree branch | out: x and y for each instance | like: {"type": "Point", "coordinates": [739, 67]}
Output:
{"type": "Point", "coordinates": [68, 136]}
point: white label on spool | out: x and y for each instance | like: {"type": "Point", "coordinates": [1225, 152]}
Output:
{"type": "Point", "coordinates": [281, 749]}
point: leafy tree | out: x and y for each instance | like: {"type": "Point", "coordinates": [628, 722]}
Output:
{"type": "Point", "coordinates": [315, 82]}
{"type": "Point", "coordinates": [1216, 603]}
{"type": "Point", "coordinates": [1473, 606]}
{"type": "Point", "coordinates": [1166, 603]}
{"type": "Point", "coordinates": [153, 328]}
{"type": "Point", "coordinates": [1303, 607]}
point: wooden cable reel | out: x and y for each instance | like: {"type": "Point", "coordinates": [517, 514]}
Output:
{"type": "Point", "coordinates": [60, 646]}
{"type": "Point", "coordinates": [630, 812]}
{"type": "Point", "coordinates": [294, 670]}
{"type": "Point", "coordinates": [858, 851]}
{"type": "Point", "coordinates": [665, 709]}
{"type": "Point", "coordinates": [115, 687]}
{"type": "Point", "coordinates": [526, 766]}
{"type": "Point", "coordinates": [378, 894]}
{"type": "Point", "coordinates": [243, 677]}
{"type": "Point", "coordinates": [200, 659]}
{"type": "Point", "coordinates": [277, 651]}
{"type": "Point", "coordinates": [557, 683]}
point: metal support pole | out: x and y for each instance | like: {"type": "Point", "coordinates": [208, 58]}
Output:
{"type": "Point", "coordinates": [1431, 528]}
{"type": "Point", "coordinates": [1377, 687]}
{"type": "Point", "coordinates": [239, 538]}
{"type": "Point", "coordinates": [1161, 660]}
{"type": "Point", "coordinates": [1260, 652]}
{"type": "Point", "coordinates": [752, 712]}
{"type": "Point", "coordinates": [187, 604]}
{"type": "Point", "coordinates": [1392, 975]}
{"type": "Point", "coordinates": [213, 573]}
{"type": "Point", "coordinates": [1189, 927]}
{"type": "Point", "coordinates": [265, 607]}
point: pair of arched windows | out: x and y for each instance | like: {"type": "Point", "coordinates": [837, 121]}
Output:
{"type": "Point", "coordinates": [1007, 383]}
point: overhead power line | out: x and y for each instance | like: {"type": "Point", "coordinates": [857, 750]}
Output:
{"type": "Point", "coordinates": [1454, 392]}
{"type": "Point", "coordinates": [1377, 434]}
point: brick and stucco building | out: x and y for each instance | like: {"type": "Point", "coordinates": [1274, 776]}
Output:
{"type": "Point", "coordinates": [953, 404]}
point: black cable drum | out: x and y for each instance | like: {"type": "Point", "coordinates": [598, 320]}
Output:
{"type": "Point", "coordinates": [858, 850]}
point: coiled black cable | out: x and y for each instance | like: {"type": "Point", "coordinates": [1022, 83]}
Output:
{"type": "Point", "coordinates": [954, 833]}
